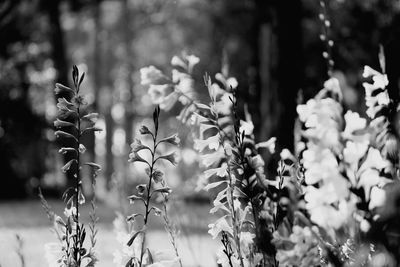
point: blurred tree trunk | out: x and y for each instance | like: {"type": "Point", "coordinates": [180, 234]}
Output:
{"type": "Point", "coordinates": [128, 94]}
{"type": "Point", "coordinates": [97, 80]}
{"type": "Point", "coordinates": [276, 73]}
{"type": "Point", "coordinates": [262, 79]}
{"type": "Point", "coordinates": [109, 120]}
{"type": "Point", "coordinates": [290, 69]}
{"type": "Point", "coordinates": [52, 8]}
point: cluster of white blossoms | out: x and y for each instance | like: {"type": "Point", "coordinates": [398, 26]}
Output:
{"type": "Point", "coordinates": [319, 201]}
{"type": "Point", "coordinates": [327, 194]}
{"type": "Point", "coordinates": [166, 91]}
{"type": "Point", "coordinates": [339, 155]}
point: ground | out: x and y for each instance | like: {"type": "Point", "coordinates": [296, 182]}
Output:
{"type": "Point", "coordinates": [28, 220]}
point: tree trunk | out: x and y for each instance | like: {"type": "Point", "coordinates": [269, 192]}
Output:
{"type": "Point", "coordinates": [61, 65]}
{"type": "Point", "coordinates": [290, 71]}
{"type": "Point", "coordinates": [129, 111]}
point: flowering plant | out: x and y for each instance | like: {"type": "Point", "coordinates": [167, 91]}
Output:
{"type": "Point", "coordinates": [324, 201]}
{"type": "Point", "coordinates": [72, 124]}
{"type": "Point", "coordinates": [134, 252]}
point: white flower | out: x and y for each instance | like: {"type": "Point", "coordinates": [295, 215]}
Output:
{"type": "Point", "coordinates": [152, 75]}
{"type": "Point", "coordinates": [368, 72]}
{"type": "Point", "coordinates": [380, 80]}
{"type": "Point", "coordinates": [220, 225]}
{"type": "Point", "coordinates": [306, 110]}
{"type": "Point", "coordinates": [333, 85]}
{"type": "Point", "coordinates": [70, 212]}
{"type": "Point", "coordinates": [374, 160]}
{"type": "Point", "coordinates": [368, 179]}
{"type": "Point", "coordinates": [229, 82]}
{"type": "Point", "coordinates": [373, 101]}
{"type": "Point", "coordinates": [352, 154]}
{"type": "Point", "coordinates": [286, 154]}
{"type": "Point", "coordinates": [192, 61]}
{"type": "Point", "coordinates": [211, 142]}
{"type": "Point", "coordinates": [220, 172]}
{"type": "Point", "coordinates": [269, 144]}
{"type": "Point", "coordinates": [186, 87]}
{"type": "Point", "coordinates": [365, 226]}
{"type": "Point", "coordinates": [319, 164]}
{"type": "Point", "coordinates": [328, 216]}
{"type": "Point", "coordinates": [246, 241]}
{"type": "Point", "coordinates": [169, 101]}
{"type": "Point", "coordinates": [212, 158]}
{"type": "Point", "coordinates": [177, 61]}
{"type": "Point", "coordinates": [247, 127]}
{"type": "Point", "coordinates": [378, 198]}
{"type": "Point", "coordinates": [223, 106]}
{"type": "Point", "coordinates": [232, 82]}
{"type": "Point", "coordinates": [353, 123]}
{"type": "Point", "coordinates": [159, 92]}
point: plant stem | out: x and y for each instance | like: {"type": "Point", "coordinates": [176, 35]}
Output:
{"type": "Point", "coordinates": [170, 230]}
{"type": "Point", "coordinates": [147, 203]}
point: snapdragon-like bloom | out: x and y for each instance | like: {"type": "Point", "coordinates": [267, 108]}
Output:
{"type": "Point", "coordinates": [151, 75]}
{"type": "Point", "coordinates": [220, 225]}
{"type": "Point", "coordinates": [211, 142]}
{"type": "Point", "coordinates": [246, 242]}
{"type": "Point", "coordinates": [158, 93]}
{"type": "Point", "coordinates": [353, 123]}
{"type": "Point", "coordinates": [327, 193]}
{"type": "Point", "coordinates": [376, 95]}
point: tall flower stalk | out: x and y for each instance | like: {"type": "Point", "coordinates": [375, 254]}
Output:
{"type": "Point", "coordinates": [155, 186]}
{"type": "Point", "coordinates": [72, 124]}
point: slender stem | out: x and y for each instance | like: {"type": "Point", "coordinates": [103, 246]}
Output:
{"type": "Point", "coordinates": [147, 203]}
{"type": "Point", "coordinates": [77, 229]}
{"type": "Point", "coordinates": [170, 229]}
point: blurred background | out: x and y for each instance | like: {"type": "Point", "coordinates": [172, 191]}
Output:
{"type": "Point", "coordinates": [272, 47]}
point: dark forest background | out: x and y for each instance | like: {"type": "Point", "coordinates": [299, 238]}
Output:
{"type": "Point", "coordinates": [272, 47]}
